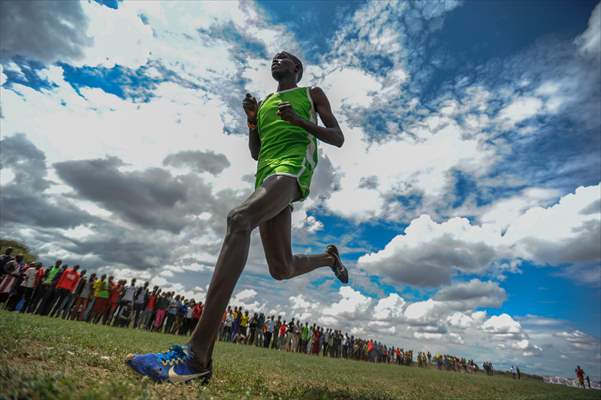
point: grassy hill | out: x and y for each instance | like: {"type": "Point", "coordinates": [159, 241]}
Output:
{"type": "Point", "coordinates": [18, 248]}
{"type": "Point", "coordinates": [44, 358]}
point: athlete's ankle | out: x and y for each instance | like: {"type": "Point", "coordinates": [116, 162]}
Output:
{"type": "Point", "coordinates": [331, 260]}
{"type": "Point", "coordinates": [197, 357]}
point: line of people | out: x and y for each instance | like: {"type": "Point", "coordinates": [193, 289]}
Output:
{"type": "Point", "coordinates": [238, 326]}
{"type": "Point", "coordinates": [68, 292]}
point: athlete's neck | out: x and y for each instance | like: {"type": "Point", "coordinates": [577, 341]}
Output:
{"type": "Point", "coordinates": [285, 85]}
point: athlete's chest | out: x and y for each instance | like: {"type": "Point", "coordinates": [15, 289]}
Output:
{"type": "Point", "coordinates": [298, 98]}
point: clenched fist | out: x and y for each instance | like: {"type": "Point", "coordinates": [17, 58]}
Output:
{"type": "Point", "coordinates": [287, 113]}
{"type": "Point", "coordinates": [250, 106]}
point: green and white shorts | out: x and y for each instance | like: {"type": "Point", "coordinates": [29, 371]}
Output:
{"type": "Point", "coordinates": [303, 176]}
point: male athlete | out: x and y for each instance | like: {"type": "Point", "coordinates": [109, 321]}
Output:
{"type": "Point", "coordinates": [283, 135]}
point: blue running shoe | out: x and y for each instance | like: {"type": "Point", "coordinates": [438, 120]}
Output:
{"type": "Point", "coordinates": [175, 365]}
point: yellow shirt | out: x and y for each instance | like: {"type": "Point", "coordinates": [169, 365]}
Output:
{"type": "Point", "coordinates": [101, 289]}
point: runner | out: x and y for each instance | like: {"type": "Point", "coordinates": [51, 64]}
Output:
{"type": "Point", "coordinates": [283, 135]}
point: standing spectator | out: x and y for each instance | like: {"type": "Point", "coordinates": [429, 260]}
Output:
{"type": "Point", "coordinates": [148, 313]}
{"type": "Point", "coordinates": [86, 293]}
{"type": "Point", "coordinates": [370, 350]}
{"type": "Point", "coordinates": [64, 286]}
{"type": "Point", "coordinates": [196, 314]}
{"type": "Point", "coordinates": [129, 293]}
{"type": "Point", "coordinates": [252, 328]}
{"type": "Point", "coordinates": [305, 337]}
{"type": "Point", "coordinates": [141, 298]}
{"type": "Point", "coordinates": [588, 381]}
{"type": "Point", "coordinates": [101, 298]}
{"type": "Point", "coordinates": [30, 282]}
{"type": "Point", "coordinates": [276, 333]}
{"type": "Point", "coordinates": [39, 279]}
{"type": "Point", "coordinates": [282, 335]}
{"type": "Point", "coordinates": [322, 339]}
{"type": "Point", "coordinates": [171, 313]}
{"type": "Point", "coordinates": [242, 331]}
{"type": "Point", "coordinates": [161, 310]}
{"type": "Point", "coordinates": [4, 259]}
{"type": "Point", "coordinates": [54, 293]}
{"type": "Point", "coordinates": [269, 328]}
{"type": "Point", "coordinates": [74, 294]}
{"type": "Point", "coordinates": [115, 292]}
{"type": "Point", "coordinates": [517, 369]}
{"type": "Point", "coordinates": [580, 376]}
{"type": "Point", "coordinates": [236, 315]}
{"type": "Point", "coordinates": [17, 291]}
{"type": "Point", "coordinates": [45, 294]}
{"type": "Point", "coordinates": [289, 334]}
{"type": "Point", "coordinates": [11, 281]}
{"type": "Point", "coordinates": [324, 345]}
{"type": "Point", "coordinates": [182, 308]}
{"type": "Point", "coordinates": [513, 372]}
{"type": "Point", "coordinates": [260, 333]}
{"type": "Point", "coordinates": [330, 351]}
{"type": "Point", "coordinates": [227, 324]}
{"type": "Point", "coordinates": [187, 327]}
{"type": "Point", "coordinates": [316, 341]}
{"type": "Point", "coordinates": [295, 336]}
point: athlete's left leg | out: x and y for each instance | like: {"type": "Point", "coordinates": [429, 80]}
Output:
{"type": "Point", "coordinates": [275, 236]}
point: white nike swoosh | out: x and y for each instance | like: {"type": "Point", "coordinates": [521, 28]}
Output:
{"type": "Point", "coordinates": [174, 377]}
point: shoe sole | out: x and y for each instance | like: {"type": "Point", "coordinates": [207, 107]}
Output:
{"type": "Point", "coordinates": [335, 254]}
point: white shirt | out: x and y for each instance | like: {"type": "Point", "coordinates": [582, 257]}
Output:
{"type": "Point", "coordinates": [129, 293]}
{"type": "Point", "coordinates": [141, 297]}
{"type": "Point", "coordinates": [29, 281]}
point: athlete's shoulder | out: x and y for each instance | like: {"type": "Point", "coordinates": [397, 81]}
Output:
{"type": "Point", "coordinates": [318, 95]}
{"type": "Point", "coordinates": [316, 91]}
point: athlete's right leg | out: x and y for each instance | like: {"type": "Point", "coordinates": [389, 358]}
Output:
{"type": "Point", "coordinates": [266, 202]}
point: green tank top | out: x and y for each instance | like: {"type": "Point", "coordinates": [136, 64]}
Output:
{"type": "Point", "coordinates": [284, 144]}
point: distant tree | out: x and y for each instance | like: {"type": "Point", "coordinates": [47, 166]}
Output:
{"type": "Point", "coordinates": [19, 248]}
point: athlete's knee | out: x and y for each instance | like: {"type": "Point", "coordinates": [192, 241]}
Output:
{"type": "Point", "coordinates": [279, 270]}
{"type": "Point", "coordinates": [238, 220]}
{"type": "Point", "coordinates": [279, 274]}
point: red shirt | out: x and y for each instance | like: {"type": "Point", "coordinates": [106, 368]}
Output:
{"type": "Point", "coordinates": [115, 293]}
{"type": "Point", "coordinates": [282, 330]}
{"type": "Point", "coordinates": [152, 300]}
{"type": "Point", "coordinates": [68, 280]}
{"type": "Point", "coordinates": [197, 311]}
{"type": "Point", "coordinates": [39, 275]}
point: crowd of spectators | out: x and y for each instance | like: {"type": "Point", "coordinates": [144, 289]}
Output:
{"type": "Point", "coordinates": [68, 292]}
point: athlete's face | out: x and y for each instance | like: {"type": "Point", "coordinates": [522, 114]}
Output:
{"type": "Point", "coordinates": [282, 66]}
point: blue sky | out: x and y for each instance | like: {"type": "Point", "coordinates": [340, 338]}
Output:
{"type": "Point", "coordinates": [465, 199]}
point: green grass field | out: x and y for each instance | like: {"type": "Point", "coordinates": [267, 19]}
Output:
{"type": "Point", "coordinates": [43, 358]}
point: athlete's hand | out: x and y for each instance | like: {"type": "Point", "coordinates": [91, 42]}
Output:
{"type": "Point", "coordinates": [287, 113]}
{"type": "Point", "coordinates": [250, 106]}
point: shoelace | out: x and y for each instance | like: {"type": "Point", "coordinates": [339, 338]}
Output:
{"type": "Point", "coordinates": [175, 355]}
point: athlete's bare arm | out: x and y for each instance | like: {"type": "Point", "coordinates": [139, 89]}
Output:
{"type": "Point", "coordinates": [331, 133]}
{"type": "Point", "coordinates": [251, 107]}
